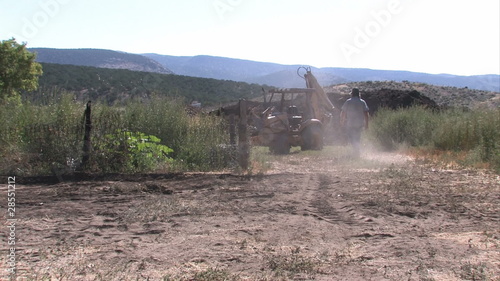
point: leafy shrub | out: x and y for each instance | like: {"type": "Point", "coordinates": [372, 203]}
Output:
{"type": "Point", "coordinates": [165, 118]}
{"type": "Point", "coordinates": [125, 151]}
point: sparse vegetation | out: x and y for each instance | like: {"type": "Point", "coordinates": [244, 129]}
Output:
{"type": "Point", "coordinates": [216, 274]}
{"type": "Point", "coordinates": [474, 272]}
{"type": "Point", "coordinates": [293, 263]}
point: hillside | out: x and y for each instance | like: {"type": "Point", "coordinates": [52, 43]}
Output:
{"type": "Point", "coordinates": [478, 82]}
{"type": "Point", "coordinates": [285, 75]}
{"type": "Point", "coordinates": [99, 58]}
{"type": "Point", "coordinates": [219, 67]}
{"type": "Point", "coordinates": [117, 85]}
{"type": "Point", "coordinates": [272, 74]}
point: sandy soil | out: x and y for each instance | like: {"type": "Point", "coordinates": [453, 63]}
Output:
{"type": "Point", "coordinates": [312, 216]}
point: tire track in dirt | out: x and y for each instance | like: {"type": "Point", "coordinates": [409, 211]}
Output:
{"type": "Point", "coordinates": [324, 197]}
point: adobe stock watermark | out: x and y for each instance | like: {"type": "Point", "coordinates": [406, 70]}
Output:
{"type": "Point", "coordinates": [222, 7]}
{"type": "Point", "coordinates": [364, 36]}
{"type": "Point", "coordinates": [11, 227]}
{"type": "Point", "coordinates": [48, 9]}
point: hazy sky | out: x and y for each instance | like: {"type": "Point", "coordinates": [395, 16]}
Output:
{"type": "Point", "coordinates": [439, 36]}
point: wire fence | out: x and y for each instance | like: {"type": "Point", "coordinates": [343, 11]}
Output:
{"type": "Point", "coordinates": [51, 138]}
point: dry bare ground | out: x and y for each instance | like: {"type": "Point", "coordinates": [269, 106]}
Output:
{"type": "Point", "coordinates": [312, 216]}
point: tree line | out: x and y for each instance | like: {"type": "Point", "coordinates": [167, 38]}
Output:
{"type": "Point", "coordinates": [114, 86]}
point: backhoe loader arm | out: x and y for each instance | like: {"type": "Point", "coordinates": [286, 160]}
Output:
{"type": "Point", "coordinates": [322, 98]}
{"type": "Point", "coordinates": [318, 103]}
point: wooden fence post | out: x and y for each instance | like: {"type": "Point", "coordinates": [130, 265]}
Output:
{"type": "Point", "coordinates": [243, 145]}
{"type": "Point", "coordinates": [232, 129]}
{"type": "Point", "coordinates": [86, 137]}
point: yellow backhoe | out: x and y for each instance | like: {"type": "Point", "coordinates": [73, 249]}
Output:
{"type": "Point", "coordinates": [300, 124]}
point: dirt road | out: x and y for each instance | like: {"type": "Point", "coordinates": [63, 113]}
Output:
{"type": "Point", "coordinates": [311, 216]}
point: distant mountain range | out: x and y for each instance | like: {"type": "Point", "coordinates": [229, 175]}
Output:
{"type": "Point", "coordinates": [99, 58]}
{"type": "Point", "coordinates": [278, 75]}
{"type": "Point", "coordinates": [272, 74]}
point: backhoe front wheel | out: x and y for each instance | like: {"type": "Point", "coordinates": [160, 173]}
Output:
{"type": "Point", "coordinates": [280, 144]}
{"type": "Point", "coordinates": [312, 138]}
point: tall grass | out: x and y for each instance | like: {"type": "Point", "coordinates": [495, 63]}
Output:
{"type": "Point", "coordinates": [206, 145]}
{"type": "Point", "coordinates": [36, 138]}
{"type": "Point", "coordinates": [165, 118]}
{"type": "Point", "coordinates": [413, 126]}
{"type": "Point", "coordinates": [39, 137]}
{"type": "Point", "coordinates": [472, 136]}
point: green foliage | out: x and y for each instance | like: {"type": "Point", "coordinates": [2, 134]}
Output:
{"type": "Point", "coordinates": [165, 118]}
{"type": "Point", "coordinates": [140, 137]}
{"type": "Point", "coordinates": [37, 138]}
{"type": "Point", "coordinates": [206, 147]}
{"type": "Point", "coordinates": [477, 132]}
{"type": "Point", "coordinates": [473, 132]}
{"type": "Point", "coordinates": [198, 142]}
{"type": "Point", "coordinates": [18, 71]}
{"type": "Point", "coordinates": [413, 126]}
{"type": "Point", "coordinates": [126, 151]}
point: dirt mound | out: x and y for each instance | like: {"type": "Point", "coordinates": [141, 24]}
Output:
{"type": "Point", "coordinates": [389, 98]}
{"type": "Point", "coordinates": [376, 98]}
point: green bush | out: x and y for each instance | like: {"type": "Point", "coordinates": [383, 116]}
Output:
{"type": "Point", "coordinates": [165, 118]}
{"type": "Point", "coordinates": [125, 151]}
{"type": "Point", "coordinates": [198, 142]}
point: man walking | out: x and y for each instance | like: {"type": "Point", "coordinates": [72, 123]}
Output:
{"type": "Point", "coordinates": [354, 116]}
